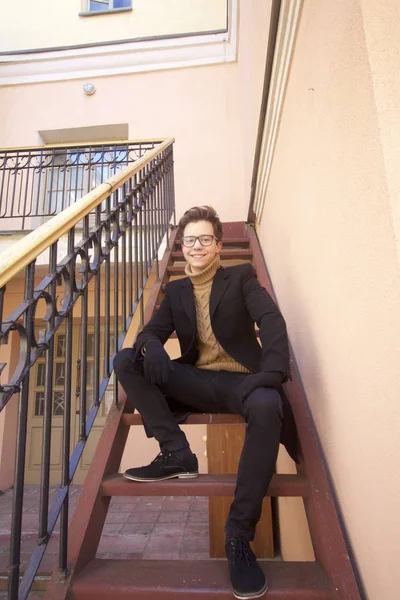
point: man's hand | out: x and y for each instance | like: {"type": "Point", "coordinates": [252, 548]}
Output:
{"type": "Point", "coordinates": [255, 380]}
{"type": "Point", "coordinates": [157, 363]}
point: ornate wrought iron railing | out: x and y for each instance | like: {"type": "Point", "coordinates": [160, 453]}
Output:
{"type": "Point", "coordinates": [88, 264]}
{"type": "Point", "coordinates": [36, 183]}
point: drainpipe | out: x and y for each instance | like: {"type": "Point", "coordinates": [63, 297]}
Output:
{"type": "Point", "coordinates": [273, 31]}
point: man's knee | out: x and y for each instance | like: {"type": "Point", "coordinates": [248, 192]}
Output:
{"type": "Point", "coordinates": [263, 404]}
{"type": "Point", "coordinates": [124, 361]}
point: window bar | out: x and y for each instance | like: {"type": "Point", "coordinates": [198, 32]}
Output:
{"type": "Point", "coordinates": [84, 331]}
{"type": "Point", "coordinates": [97, 327]}
{"type": "Point", "coordinates": [116, 282]}
{"type": "Point", "coordinates": [153, 203]}
{"type": "Point", "coordinates": [26, 212]}
{"type": "Point", "coordinates": [124, 210]}
{"type": "Point", "coordinates": [141, 245]}
{"type": "Point", "coordinates": [107, 299]}
{"type": "Point", "coordinates": [15, 178]}
{"type": "Point", "coordinates": [18, 497]}
{"type": "Point", "coordinates": [39, 182]}
{"type": "Point", "coordinates": [48, 405]}
{"type": "Point", "coordinates": [171, 172]}
{"type": "Point", "coordinates": [66, 439]}
{"type": "Point", "coordinates": [145, 226]}
{"type": "Point", "coordinates": [130, 241]}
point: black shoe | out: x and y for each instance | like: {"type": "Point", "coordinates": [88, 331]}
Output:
{"type": "Point", "coordinates": [166, 466]}
{"type": "Point", "coordinates": [247, 577]}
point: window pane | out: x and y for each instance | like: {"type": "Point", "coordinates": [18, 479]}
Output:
{"type": "Point", "coordinates": [60, 374]}
{"type": "Point", "coordinates": [90, 374]}
{"type": "Point", "coordinates": [98, 5]}
{"type": "Point", "coordinates": [60, 350]}
{"type": "Point", "coordinates": [122, 3]}
{"type": "Point", "coordinates": [40, 374]}
{"type": "Point", "coordinates": [39, 404]}
{"type": "Point", "coordinates": [90, 344]}
{"type": "Point", "coordinates": [58, 406]}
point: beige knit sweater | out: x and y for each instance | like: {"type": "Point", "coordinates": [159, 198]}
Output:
{"type": "Point", "coordinates": [211, 354]}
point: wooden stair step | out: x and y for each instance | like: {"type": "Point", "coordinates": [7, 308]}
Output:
{"type": "Point", "coordinates": [224, 254]}
{"type": "Point", "coordinates": [193, 419]}
{"type": "Point", "coordinates": [103, 579]}
{"type": "Point", "coordinates": [282, 485]}
{"type": "Point", "coordinates": [230, 242]}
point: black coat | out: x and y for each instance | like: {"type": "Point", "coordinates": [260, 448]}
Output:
{"type": "Point", "coordinates": [237, 302]}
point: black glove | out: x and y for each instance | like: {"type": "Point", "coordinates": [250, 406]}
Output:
{"type": "Point", "coordinates": [157, 363]}
{"type": "Point", "coordinates": [255, 380]}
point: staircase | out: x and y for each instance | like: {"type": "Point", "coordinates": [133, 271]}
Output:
{"type": "Point", "coordinates": [332, 575]}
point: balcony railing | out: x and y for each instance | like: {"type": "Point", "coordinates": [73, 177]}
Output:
{"type": "Point", "coordinates": [88, 264]}
{"type": "Point", "coordinates": [38, 183]}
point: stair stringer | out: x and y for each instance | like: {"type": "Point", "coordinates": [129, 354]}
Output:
{"type": "Point", "coordinates": [328, 535]}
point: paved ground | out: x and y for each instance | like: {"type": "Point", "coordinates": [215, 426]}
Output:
{"type": "Point", "coordinates": [145, 527]}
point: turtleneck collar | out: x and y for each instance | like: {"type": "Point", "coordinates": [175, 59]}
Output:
{"type": "Point", "coordinates": [206, 274]}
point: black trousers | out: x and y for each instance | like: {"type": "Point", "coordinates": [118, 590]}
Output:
{"type": "Point", "coordinates": [212, 391]}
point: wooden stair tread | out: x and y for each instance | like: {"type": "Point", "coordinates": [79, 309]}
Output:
{"type": "Point", "coordinates": [202, 579]}
{"type": "Point", "coordinates": [193, 419]}
{"type": "Point", "coordinates": [205, 485]}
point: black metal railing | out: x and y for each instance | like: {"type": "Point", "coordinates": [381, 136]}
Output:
{"type": "Point", "coordinates": [36, 183]}
{"type": "Point", "coordinates": [98, 281]}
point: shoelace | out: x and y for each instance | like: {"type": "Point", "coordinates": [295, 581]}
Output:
{"type": "Point", "coordinates": [241, 549]}
{"type": "Point", "coordinates": [162, 457]}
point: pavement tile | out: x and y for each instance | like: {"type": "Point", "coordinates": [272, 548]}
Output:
{"type": "Point", "coordinates": [150, 516]}
{"type": "Point", "coordinates": [134, 542]}
{"type": "Point", "coordinates": [144, 528]}
{"type": "Point", "coordinates": [115, 518]}
{"type": "Point", "coordinates": [194, 555]}
{"type": "Point", "coordinates": [176, 504]}
{"type": "Point", "coordinates": [120, 555]}
{"type": "Point", "coordinates": [198, 517]}
{"type": "Point", "coordinates": [145, 506]}
{"type": "Point", "coordinates": [196, 544]}
{"type": "Point", "coordinates": [173, 517]}
{"type": "Point", "coordinates": [112, 528]}
{"type": "Point", "coordinates": [171, 528]}
{"type": "Point", "coordinates": [163, 544]}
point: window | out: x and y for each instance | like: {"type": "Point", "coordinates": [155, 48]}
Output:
{"type": "Point", "coordinates": [104, 5]}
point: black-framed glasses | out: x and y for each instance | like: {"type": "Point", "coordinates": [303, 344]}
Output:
{"type": "Point", "coordinates": [205, 240]}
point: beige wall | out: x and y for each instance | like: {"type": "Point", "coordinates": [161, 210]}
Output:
{"type": "Point", "coordinates": [49, 24]}
{"type": "Point", "coordinates": [212, 112]}
{"type": "Point", "coordinates": [328, 232]}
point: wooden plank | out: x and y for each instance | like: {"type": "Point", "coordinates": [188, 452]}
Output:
{"type": "Point", "coordinates": [193, 419]}
{"type": "Point", "coordinates": [199, 579]}
{"type": "Point", "coordinates": [224, 446]}
{"type": "Point", "coordinates": [205, 485]}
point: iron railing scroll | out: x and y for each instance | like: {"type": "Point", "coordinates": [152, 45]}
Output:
{"type": "Point", "coordinates": [87, 266]}
{"type": "Point", "coordinates": [38, 183]}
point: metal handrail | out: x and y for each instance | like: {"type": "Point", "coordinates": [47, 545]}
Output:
{"type": "Point", "coordinates": [112, 238]}
{"type": "Point", "coordinates": [30, 247]}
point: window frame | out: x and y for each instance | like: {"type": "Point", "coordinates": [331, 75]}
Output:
{"type": "Point", "coordinates": [87, 12]}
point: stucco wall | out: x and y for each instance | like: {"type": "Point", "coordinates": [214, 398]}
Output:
{"type": "Point", "coordinates": [48, 24]}
{"type": "Point", "coordinates": [328, 232]}
{"type": "Point", "coordinates": [212, 111]}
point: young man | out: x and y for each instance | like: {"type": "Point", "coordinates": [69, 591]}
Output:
{"type": "Point", "coordinates": [222, 369]}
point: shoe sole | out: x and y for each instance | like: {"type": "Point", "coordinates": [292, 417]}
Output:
{"type": "Point", "coordinates": [177, 475]}
{"type": "Point", "coordinates": [250, 597]}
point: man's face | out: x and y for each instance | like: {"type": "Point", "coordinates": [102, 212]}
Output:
{"type": "Point", "coordinates": [198, 256]}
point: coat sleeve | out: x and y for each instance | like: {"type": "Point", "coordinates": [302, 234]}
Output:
{"type": "Point", "coordinates": [263, 310]}
{"type": "Point", "coordinates": [160, 326]}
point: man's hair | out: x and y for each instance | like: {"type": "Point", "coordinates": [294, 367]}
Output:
{"type": "Point", "coordinates": [201, 213]}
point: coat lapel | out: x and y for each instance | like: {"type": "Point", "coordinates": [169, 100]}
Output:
{"type": "Point", "coordinates": [187, 300]}
{"type": "Point", "coordinates": [220, 283]}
